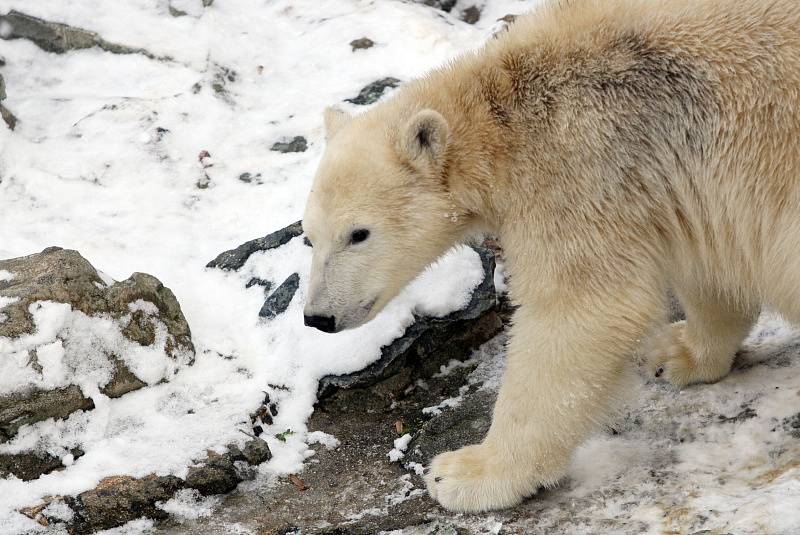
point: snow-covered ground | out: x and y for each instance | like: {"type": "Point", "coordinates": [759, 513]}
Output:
{"type": "Point", "coordinates": [105, 160]}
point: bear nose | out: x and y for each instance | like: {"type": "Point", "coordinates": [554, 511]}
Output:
{"type": "Point", "coordinates": [323, 323]}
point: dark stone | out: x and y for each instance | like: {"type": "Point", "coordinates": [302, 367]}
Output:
{"type": "Point", "coordinates": [471, 15]}
{"type": "Point", "coordinates": [297, 144]}
{"type": "Point", "coordinates": [257, 451]}
{"type": "Point", "coordinates": [453, 429]}
{"type": "Point", "coordinates": [214, 476]}
{"type": "Point", "coordinates": [2, 88]}
{"type": "Point", "coordinates": [59, 38]}
{"type": "Point", "coordinates": [236, 258]}
{"type": "Point", "coordinates": [30, 466]}
{"type": "Point", "coordinates": [120, 499]}
{"type": "Point", "coordinates": [255, 281]}
{"type": "Point", "coordinates": [429, 335]}
{"type": "Point", "coordinates": [508, 19]}
{"type": "Point", "coordinates": [362, 44]}
{"type": "Point", "coordinates": [34, 405]}
{"type": "Point", "coordinates": [9, 118]}
{"type": "Point", "coordinates": [122, 382]}
{"type": "Point", "coordinates": [374, 91]}
{"type": "Point", "coordinates": [279, 300]}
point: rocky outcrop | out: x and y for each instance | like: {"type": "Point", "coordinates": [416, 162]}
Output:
{"type": "Point", "coordinates": [59, 38]}
{"type": "Point", "coordinates": [57, 294]}
{"type": "Point", "coordinates": [120, 499]}
{"type": "Point", "coordinates": [235, 258]}
{"type": "Point", "coordinates": [449, 337]}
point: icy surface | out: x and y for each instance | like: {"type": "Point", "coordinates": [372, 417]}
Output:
{"type": "Point", "coordinates": [105, 160]}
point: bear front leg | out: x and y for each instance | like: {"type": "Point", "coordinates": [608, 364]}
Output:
{"type": "Point", "coordinates": [700, 349]}
{"type": "Point", "coordinates": [563, 374]}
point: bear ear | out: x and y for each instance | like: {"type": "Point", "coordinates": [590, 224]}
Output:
{"type": "Point", "coordinates": [424, 141]}
{"type": "Point", "coordinates": [335, 119]}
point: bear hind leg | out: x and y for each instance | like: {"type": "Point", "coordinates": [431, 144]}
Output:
{"type": "Point", "coordinates": [701, 348]}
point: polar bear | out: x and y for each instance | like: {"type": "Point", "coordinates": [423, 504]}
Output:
{"type": "Point", "coordinates": [618, 148]}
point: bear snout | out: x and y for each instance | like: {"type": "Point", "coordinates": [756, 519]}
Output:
{"type": "Point", "coordinates": [323, 323]}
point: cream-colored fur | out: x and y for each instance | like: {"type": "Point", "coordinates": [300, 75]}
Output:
{"type": "Point", "coordinates": [618, 148]}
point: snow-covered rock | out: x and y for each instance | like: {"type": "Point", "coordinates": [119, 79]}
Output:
{"type": "Point", "coordinates": [70, 337]}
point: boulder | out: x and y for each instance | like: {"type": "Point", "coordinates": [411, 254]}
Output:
{"type": "Point", "coordinates": [88, 328]}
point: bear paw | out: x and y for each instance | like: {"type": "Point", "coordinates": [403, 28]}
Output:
{"type": "Point", "coordinates": [473, 479]}
{"type": "Point", "coordinates": [669, 357]}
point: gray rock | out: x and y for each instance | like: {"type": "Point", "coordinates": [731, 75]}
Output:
{"type": "Point", "coordinates": [256, 451]}
{"type": "Point", "coordinates": [453, 429]}
{"type": "Point", "coordinates": [30, 466]}
{"type": "Point", "coordinates": [428, 336]}
{"type": "Point", "coordinates": [297, 144]}
{"type": "Point", "coordinates": [236, 258]}
{"type": "Point", "coordinates": [214, 476]}
{"type": "Point", "coordinates": [362, 44]}
{"type": "Point", "coordinates": [255, 281]}
{"type": "Point", "coordinates": [59, 38]}
{"type": "Point", "coordinates": [279, 300]}
{"type": "Point", "coordinates": [34, 405]}
{"type": "Point", "coordinates": [471, 15]}
{"type": "Point", "coordinates": [5, 113]}
{"type": "Point", "coordinates": [9, 118]}
{"type": "Point", "coordinates": [64, 276]}
{"type": "Point", "coordinates": [371, 93]}
{"type": "Point", "coordinates": [120, 499]}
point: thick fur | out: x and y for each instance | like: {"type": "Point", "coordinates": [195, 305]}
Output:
{"type": "Point", "coordinates": [618, 148]}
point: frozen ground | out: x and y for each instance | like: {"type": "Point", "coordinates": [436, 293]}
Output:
{"type": "Point", "coordinates": [105, 160]}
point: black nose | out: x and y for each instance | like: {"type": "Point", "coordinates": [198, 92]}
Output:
{"type": "Point", "coordinates": [323, 323]}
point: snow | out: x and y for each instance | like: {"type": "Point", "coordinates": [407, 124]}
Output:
{"type": "Point", "coordinates": [320, 437]}
{"type": "Point", "coordinates": [73, 348]}
{"type": "Point", "coordinates": [5, 275]}
{"type": "Point", "coordinates": [400, 445]}
{"type": "Point", "coordinates": [105, 160]}
{"type": "Point", "coordinates": [719, 457]}
{"type": "Point", "coordinates": [188, 504]}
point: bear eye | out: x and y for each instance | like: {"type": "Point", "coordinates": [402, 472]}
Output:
{"type": "Point", "coordinates": [359, 235]}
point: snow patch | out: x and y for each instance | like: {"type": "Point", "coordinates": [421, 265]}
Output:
{"type": "Point", "coordinates": [400, 445]}
{"type": "Point", "coordinates": [189, 504]}
{"type": "Point", "coordinates": [319, 437]}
